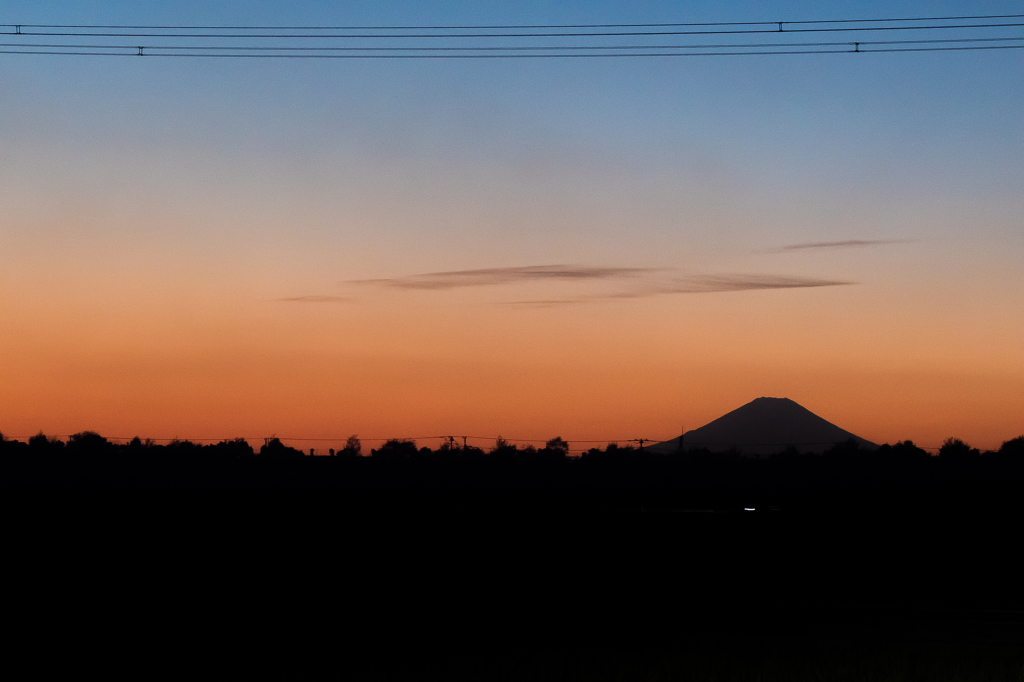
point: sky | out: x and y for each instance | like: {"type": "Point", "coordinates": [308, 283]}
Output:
{"type": "Point", "coordinates": [597, 249]}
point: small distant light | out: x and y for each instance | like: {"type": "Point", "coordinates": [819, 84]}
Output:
{"type": "Point", "coordinates": [748, 509]}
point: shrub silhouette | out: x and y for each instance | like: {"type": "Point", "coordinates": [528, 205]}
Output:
{"type": "Point", "coordinates": [612, 452]}
{"type": "Point", "coordinates": [238, 448]}
{"type": "Point", "coordinates": [275, 449]}
{"type": "Point", "coordinates": [471, 452]}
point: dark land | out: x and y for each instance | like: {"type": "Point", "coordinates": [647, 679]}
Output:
{"type": "Point", "coordinates": [463, 564]}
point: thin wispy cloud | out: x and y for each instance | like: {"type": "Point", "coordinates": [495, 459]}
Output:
{"type": "Point", "coordinates": [495, 276]}
{"type": "Point", "coordinates": [316, 299]}
{"type": "Point", "coordinates": [706, 284]}
{"type": "Point", "coordinates": [694, 284]}
{"type": "Point", "coordinates": [603, 283]}
{"type": "Point", "coordinates": [847, 243]}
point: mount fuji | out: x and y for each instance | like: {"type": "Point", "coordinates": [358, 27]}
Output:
{"type": "Point", "coordinates": [762, 427]}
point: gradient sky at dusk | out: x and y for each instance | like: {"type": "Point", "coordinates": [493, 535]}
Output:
{"type": "Point", "coordinates": [204, 248]}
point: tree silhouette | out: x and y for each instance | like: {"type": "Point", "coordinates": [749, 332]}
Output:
{"type": "Point", "coordinates": [40, 445]}
{"type": "Point", "coordinates": [554, 449]}
{"type": "Point", "coordinates": [183, 449]}
{"type": "Point", "coordinates": [1013, 447]}
{"type": "Point", "coordinates": [903, 451]}
{"type": "Point", "coordinates": [11, 447]}
{"type": "Point", "coordinates": [352, 447]}
{"type": "Point", "coordinates": [89, 443]}
{"type": "Point", "coordinates": [395, 449]}
{"type": "Point", "coordinates": [955, 450]}
{"type": "Point", "coordinates": [556, 445]}
{"type": "Point", "coordinates": [502, 448]}
{"type": "Point", "coordinates": [136, 447]}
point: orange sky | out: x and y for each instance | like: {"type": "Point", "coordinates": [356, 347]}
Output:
{"type": "Point", "coordinates": [458, 362]}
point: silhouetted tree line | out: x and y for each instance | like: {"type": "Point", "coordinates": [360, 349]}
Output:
{"type": "Point", "coordinates": [555, 449]}
{"type": "Point", "coordinates": [91, 444]}
{"type": "Point", "coordinates": [455, 476]}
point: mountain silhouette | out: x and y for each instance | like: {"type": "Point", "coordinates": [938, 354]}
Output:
{"type": "Point", "coordinates": [765, 426]}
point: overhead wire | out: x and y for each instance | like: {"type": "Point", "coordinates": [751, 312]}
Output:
{"type": "Point", "coordinates": [519, 44]}
{"type": "Point", "coordinates": [364, 42]}
{"type": "Point", "coordinates": [517, 26]}
{"type": "Point", "coordinates": [263, 48]}
{"type": "Point", "coordinates": [509, 56]}
{"type": "Point", "coordinates": [843, 29]}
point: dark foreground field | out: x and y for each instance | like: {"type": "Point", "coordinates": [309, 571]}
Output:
{"type": "Point", "coordinates": [399, 575]}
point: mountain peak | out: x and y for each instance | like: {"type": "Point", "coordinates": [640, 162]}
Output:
{"type": "Point", "coordinates": [765, 426]}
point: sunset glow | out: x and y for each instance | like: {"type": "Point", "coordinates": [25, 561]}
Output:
{"type": "Point", "coordinates": [597, 249]}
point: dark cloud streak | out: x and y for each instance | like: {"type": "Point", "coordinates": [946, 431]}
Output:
{"type": "Point", "coordinates": [626, 283]}
{"type": "Point", "coordinates": [492, 276]}
{"type": "Point", "coordinates": [704, 284]}
{"type": "Point", "coordinates": [848, 243]}
{"type": "Point", "coordinates": [696, 284]}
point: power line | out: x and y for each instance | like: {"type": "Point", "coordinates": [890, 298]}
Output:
{"type": "Point", "coordinates": [514, 26]}
{"type": "Point", "coordinates": [141, 53]}
{"type": "Point", "coordinates": [260, 48]}
{"type": "Point", "coordinates": [521, 42]}
{"type": "Point", "coordinates": [508, 35]}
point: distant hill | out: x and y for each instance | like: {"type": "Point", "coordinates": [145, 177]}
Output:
{"type": "Point", "coordinates": [765, 426]}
